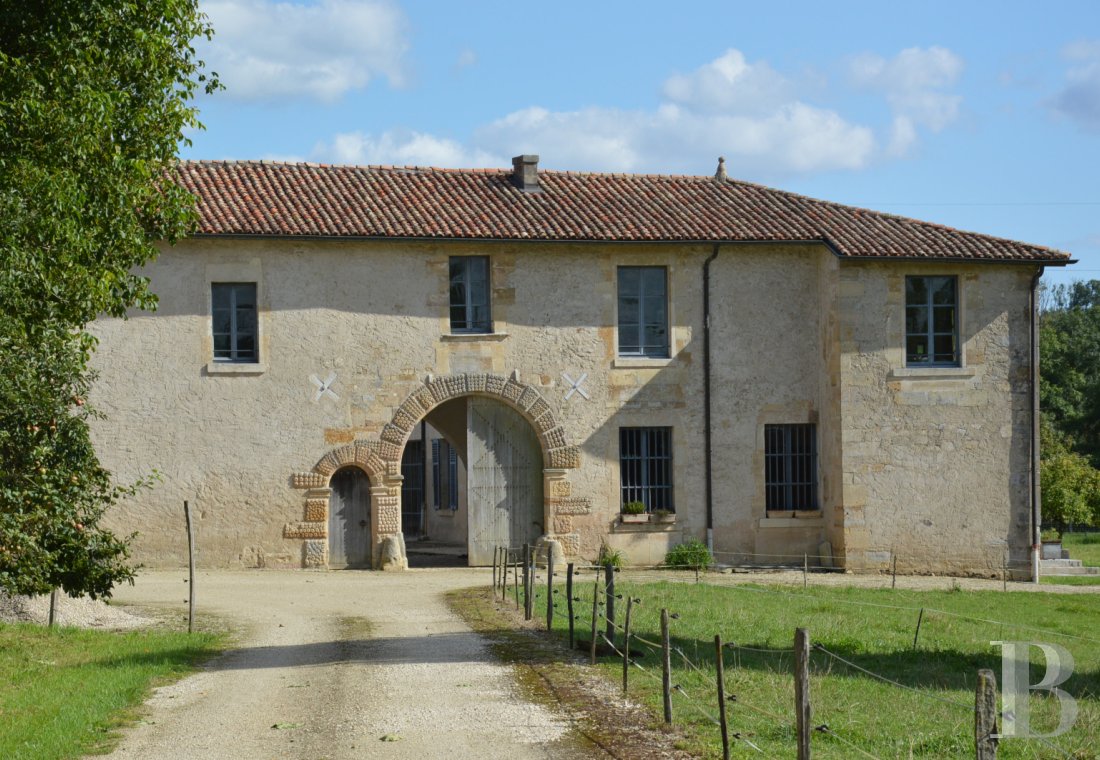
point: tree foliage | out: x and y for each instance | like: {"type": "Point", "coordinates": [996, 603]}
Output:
{"type": "Point", "coordinates": [95, 98]}
{"type": "Point", "coordinates": [1070, 400]}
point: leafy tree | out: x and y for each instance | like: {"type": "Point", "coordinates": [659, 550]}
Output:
{"type": "Point", "coordinates": [1071, 486]}
{"type": "Point", "coordinates": [95, 98]}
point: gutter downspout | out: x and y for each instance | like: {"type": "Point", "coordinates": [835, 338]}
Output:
{"type": "Point", "coordinates": [1036, 503]}
{"type": "Point", "coordinates": [709, 467]}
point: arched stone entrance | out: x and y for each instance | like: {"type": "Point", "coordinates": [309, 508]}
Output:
{"type": "Point", "coordinates": [381, 460]}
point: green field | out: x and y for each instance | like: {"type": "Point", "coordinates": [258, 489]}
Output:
{"type": "Point", "coordinates": [929, 715]}
{"type": "Point", "coordinates": [64, 692]}
{"type": "Point", "coordinates": [1083, 546]}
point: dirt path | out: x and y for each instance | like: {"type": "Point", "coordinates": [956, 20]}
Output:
{"type": "Point", "coordinates": [346, 664]}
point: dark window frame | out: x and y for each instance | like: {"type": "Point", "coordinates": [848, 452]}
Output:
{"type": "Point", "coordinates": [646, 467]}
{"type": "Point", "coordinates": [234, 354]}
{"type": "Point", "coordinates": [439, 444]}
{"type": "Point", "coordinates": [463, 285]}
{"type": "Point", "coordinates": [790, 467]}
{"type": "Point", "coordinates": [644, 318]}
{"type": "Point", "coordinates": [924, 322]}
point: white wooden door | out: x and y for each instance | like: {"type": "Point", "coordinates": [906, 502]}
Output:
{"type": "Point", "coordinates": [349, 519]}
{"type": "Point", "coordinates": [504, 479]}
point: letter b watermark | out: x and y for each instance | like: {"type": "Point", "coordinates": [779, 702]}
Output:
{"type": "Point", "coordinates": [1016, 687]}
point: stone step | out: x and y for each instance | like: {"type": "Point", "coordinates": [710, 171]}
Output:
{"type": "Point", "coordinates": [1055, 563]}
{"type": "Point", "coordinates": [1071, 571]}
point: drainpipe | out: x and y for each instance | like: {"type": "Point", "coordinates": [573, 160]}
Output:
{"type": "Point", "coordinates": [1036, 510]}
{"type": "Point", "coordinates": [706, 400]}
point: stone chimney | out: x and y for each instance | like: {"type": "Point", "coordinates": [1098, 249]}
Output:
{"type": "Point", "coordinates": [525, 173]}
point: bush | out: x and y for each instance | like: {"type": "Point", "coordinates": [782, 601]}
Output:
{"type": "Point", "coordinates": [609, 556]}
{"type": "Point", "coordinates": [691, 555]}
{"type": "Point", "coordinates": [634, 508]}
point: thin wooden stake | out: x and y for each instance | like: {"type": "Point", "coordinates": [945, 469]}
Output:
{"type": "Point", "coordinates": [805, 570]}
{"type": "Point", "coordinates": [802, 691]}
{"type": "Point", "coordinates": [496, 561]}
{"type": "Point", "coordinates": [1004, 571]}
{"type": "Point", "coordinates": [53, 608]}
{"type": "Point", "coordinates": [595, 616]}
{"type": "Point", "coordinates": [190, 568]}
{"type": "Point", "coordinates": [569, 602]}
{"type": "Point", "coordinates": [985, 716]}
{"type": "Point", "coordinates": [515, 574]}
{"type": "Point", "coordinates": [666, 667]}
{"type": "Point", "coordinates": [527, 601]}
{"type": "Point", "coordinates": [609, 607]}
{"type": "Point", "coordinates": [722, 697]}
{"type": "Point", "coordinates": [894, 575]}
{"type": "Point", "coordinates": [916, 634]}
{"type": "Point", "coordinates": [549, 588]}
{"type": "Point", "coordinates": [626, 644]}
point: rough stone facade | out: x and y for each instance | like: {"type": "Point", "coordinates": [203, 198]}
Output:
{"type": "Point", "coordinates": [928, 465]}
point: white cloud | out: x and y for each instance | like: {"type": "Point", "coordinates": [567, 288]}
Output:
{"type": "Point", "coordinates": [1079, 99]}
{"type": "Point", "coordinates": [402, 149]}
{"type": "Point", "coordinates": [916, 84]}
{"type": "Point", "coordinates": [266, 50]}
{"type": "Point", "coordinates": [729, 84]}
{"type": "Point", "coordinates": [466, 59]}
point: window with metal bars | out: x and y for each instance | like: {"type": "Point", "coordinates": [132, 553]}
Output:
{"type": "Point", "coordinates": [233, 316]}
{"type": "Point", "coordinates": [444, 475]}
{"type": "Point", "coordinates": [645, 466]}
{"type": "Point", "coordinates": [643, 311]}
{"type": "Point", "coordinates": [790, 466]}
{"type": "Point", "coordinates": [931, 321]}
{"type": "Point", "coordinates": [470, 307]}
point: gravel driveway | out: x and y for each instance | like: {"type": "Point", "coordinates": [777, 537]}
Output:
{"type": "Point", "coordinates": [340, 665]}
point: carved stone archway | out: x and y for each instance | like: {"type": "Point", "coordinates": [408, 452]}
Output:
{"type": "Point", "coordinates": [381, 460]}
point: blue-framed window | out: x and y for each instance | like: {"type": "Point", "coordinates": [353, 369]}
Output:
{"type": "Point", "coordinates": [645, 466]}
{"type": "Point", "coordinates": [932, 321]}
{"type": "Point", "coordinates": [470, 306]}
{"type": "Point", "coordinates": [234, 322]}
{"type": "Point", "coordinates": [643, 311]}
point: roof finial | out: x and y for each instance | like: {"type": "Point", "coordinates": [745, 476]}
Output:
{"type": "Point", "coordinates": [720, 175]}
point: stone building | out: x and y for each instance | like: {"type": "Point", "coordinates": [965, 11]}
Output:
{"type": "Point", "coordinates": [343, 355]}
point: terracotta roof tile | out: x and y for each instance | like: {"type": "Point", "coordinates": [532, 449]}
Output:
{"type": "Point", "coordinates": [282, 199]}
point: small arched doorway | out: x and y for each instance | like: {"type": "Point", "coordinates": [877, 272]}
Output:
{"type": "Point", "coordinates": [349, 532]}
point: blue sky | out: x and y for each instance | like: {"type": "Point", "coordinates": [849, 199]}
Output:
{"type": "Point", "coordinates": [983, 116]}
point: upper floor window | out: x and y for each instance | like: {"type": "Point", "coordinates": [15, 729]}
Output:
{"type": "Point", "coordinates": [645, 466]}
{"type": "Point", "coordinates": [790, 466]}
{"type": "Point", "coordinates": [643, 311]}
{"type": "Point", "coordinates": [931, 321]}
{"type": "Point", "coordinates": [234, 322]}
{"type": "Point", "coordinates": [470, 312]}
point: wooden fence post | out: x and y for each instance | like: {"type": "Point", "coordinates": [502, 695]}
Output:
{"type": "Point", "coordinates": [53, 608]}
{"type": "Point", "coordinates": [595, 617]}
{"type": "Point", "coordinates": [190, 568]}
{"type": "Point", "coordinates": [549, 588]}
{"type": "Point", "coordinates": [666, 666]}
{"type": "Point", "coordinates": [985, 716]}
{"type": "Point", "coordinates": [802, 691]}
{"type": "Point", "coordinates": [496, 561]}
{"type": "Point", "coordinates": [609, 607]}
{"type": "Point", "coordinates": [569, 602]}
{"type": "Point", "coordinates": [805, 570]}
{"type": "Point", "coordinates": [916, 634]}
{"type": "Point", "coordinates": [527, 601]}
{"type": "Point", "coordinates": [515, 574]}
{"type": "Point", "coordinates": [894, 574]}
{"type": "Point", "coordinates": [626, 643]}
{"type": "Point", "coordinates": [722, 697]}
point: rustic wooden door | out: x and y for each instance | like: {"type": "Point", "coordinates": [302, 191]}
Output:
{"type": "Point", "coordinates": [349, 519]}
{"type": "Point", "coordinates": [504, 479]}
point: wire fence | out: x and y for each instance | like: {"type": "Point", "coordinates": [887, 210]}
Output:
{"type": "Point", "coordinates": [588, 599]}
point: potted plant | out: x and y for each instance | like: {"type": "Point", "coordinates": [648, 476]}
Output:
{"type": "Point", "coordinates": [634, 512]}
{"type": "Point", "coordinates": [1052, 544]}
{"type": "Point", "coordinates": [662, 516]}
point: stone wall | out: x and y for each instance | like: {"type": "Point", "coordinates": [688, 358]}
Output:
{"type": "Point", "coordinates": [355, 349]}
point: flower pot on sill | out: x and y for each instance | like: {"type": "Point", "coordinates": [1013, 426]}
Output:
{"type": "Point", "coordinates": [662, 518]}
{"type": "Point", "coordinates": [628, 519]}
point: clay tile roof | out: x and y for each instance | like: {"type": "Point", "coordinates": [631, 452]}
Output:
{"type": "Point", "coordinates": [283, 199]}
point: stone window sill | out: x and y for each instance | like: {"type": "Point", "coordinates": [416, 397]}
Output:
{"type": "Point", "coordinates": [645, 527]}
{"type": "Point", "coordinates": [472, 337]}
{"type": "Point", "coordinates": [640, 362]}
{"type": "Point", "coordinates": [932, 373]}
{"type": "Point", "coordinates": [445, 512]}
{"type": "Point", "coordinates": [792, 519]}
{"type": "Point", "coordinates": [235, 368]}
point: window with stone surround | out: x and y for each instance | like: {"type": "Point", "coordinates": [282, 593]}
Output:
{"type": "Point", "coordinates": [645, 466]}
{"type": "Point", "coordinates": [233, 313]}
{"type": "Point", "coordinates": [790, 467]}
{"type": "Point", "coordinates": [643, 312]}
{"type": "Point", "coordinates": [931, 321]}
{"type": "Point", "coordinates": [470, 306]}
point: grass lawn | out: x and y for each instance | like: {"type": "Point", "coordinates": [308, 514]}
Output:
{"type": "Point", "coordinates": [871, 628]}
{"type": "Point", "coordinates": [1071, 580]}
{"type": "Point", "coordinates": [1083, 546]}
{"type": "Point", "coordinates": [63, 692]}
